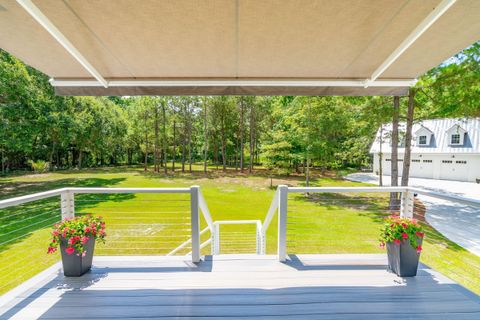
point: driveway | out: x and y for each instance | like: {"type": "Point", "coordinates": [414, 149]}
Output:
{"type": "Point", "coordinates": [458, 222]}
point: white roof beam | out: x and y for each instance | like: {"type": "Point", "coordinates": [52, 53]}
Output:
{"type": "Point", "coordinates": [412, 37]}
{"type": "Point", "coordinates": [242, 83]}
{"type": "Point", "coordinates": [35, 12]}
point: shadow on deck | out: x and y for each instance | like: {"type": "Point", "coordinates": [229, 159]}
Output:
{"type": "Point", "coordinates": [240, 286]}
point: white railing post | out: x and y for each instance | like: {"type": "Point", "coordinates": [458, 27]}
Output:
{"type": "Point", "coordinates": [260, 246]}
{"type": "Point", "coordinates": [282, 222]}
{"type": "Point", "coordinates": [216, 231]}
{"type": "Point", "coordinates": [195, 223]}
{"type": "Point", "coordinates": [406, 206]}
{"type": "Point", "coordinates": [67, 204]}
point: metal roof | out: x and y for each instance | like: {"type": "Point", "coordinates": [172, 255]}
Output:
{"type": "Point", "coordinates": [250, 47]}
{"type": "Point", "coordinates": [439, 142]}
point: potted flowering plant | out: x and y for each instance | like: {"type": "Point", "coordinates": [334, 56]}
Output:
{"type": "Point", "coordinates": [76, 238]}
{"type": "Point", "coordinates": [403, 238]}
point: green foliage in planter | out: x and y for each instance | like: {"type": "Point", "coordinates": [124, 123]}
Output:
{"type": "Point", "coordinates": [76, 232]}
{"type": "Point", "coordinates": [396, 230]}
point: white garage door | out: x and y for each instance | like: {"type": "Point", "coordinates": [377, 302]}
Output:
{"type": "Point", "coordinates": [387, 166]}
{"type": "Point", "coordinates": [421, 168]}
{"type": "Point", "coordinates": [454, 170]}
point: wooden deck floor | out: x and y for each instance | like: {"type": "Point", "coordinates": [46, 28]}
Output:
{"type": "Point", "coordinates": [240, 286]}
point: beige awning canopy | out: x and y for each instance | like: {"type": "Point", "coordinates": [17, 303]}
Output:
{"type": "Point", "coordinates": [263, 47]}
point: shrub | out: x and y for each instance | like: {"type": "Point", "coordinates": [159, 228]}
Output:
{"type": "Point", "coordinates": [39, 166]}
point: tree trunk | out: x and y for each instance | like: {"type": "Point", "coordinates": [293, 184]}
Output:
{"type": "Point", "coordinates": [184, 139]}
{"type": "Point", "coordinates": [408, 137]}
{"type": "Point", "coordinates": [205, 133]}
{"type": "Point", "coordinates": [252, 138]}
{"type": "Point", "coordinates": [174, 145]}
{"type": "Point", "coordinates": [307, 174]}
{"type": "Point", "coordinates": [242, 133]}
{"type": "Point", "coordinates": [394, 158]}
{"type": "Point", "coordinates": [164, 140]}
{"type": "Point", "coordinates": [380, 158]}
{"type": "Point", "coordinates": [155, 146]}
{"type": "Point", "coordinates": [224, 151]}
{"type": "Point", "coordinates": [190, 129]}
{"type": "Point", "coordinates": [145, 168]}
{"type": "Point", "coordinates": [80, 153]}
{"type": "Point", "coordinates": [3, 161]}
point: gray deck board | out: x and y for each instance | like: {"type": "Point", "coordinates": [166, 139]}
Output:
{"type": "Point", "coordinates": [241, 286]}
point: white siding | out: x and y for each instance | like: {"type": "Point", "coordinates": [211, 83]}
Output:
{"type": "Point", "coordinates": [459, 168]}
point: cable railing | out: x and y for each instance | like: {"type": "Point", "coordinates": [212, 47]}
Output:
{"type": "Point", "coordinates": [348, 220]}
{"type": "Point", "coordinates": [237, 236]}
{"type": "Point", "coordinates": [140, 221]}
{"type": "Point", "coordinates": [168, 221]}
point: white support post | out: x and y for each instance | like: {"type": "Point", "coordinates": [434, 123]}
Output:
{"type": "Point", "coordinates": [406, 207]}
{"type": "Point", "coordinates": [282, 222]}
{"type": "Point", "coordinates": [259, 248]}
{"type": "Point", "coordinates": [67, 205]}
{"type": "Point", "coordinates": [216, 246]}
{"type": "Point", "coordinates": [195, 223]}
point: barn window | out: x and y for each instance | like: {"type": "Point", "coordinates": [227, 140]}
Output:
{"type": "Point", "coordinates": [455, 138]}
{"type": "Point", "coordinates": [461, 162]}
{"type": "Point", "coordinates": [427, 161]}
{"type": "Point", "coordinates": [415, 160]}
{"type": "Point", "coordinates": [446, 161]}
{"type": "Point", "coordinates": [422, 140]}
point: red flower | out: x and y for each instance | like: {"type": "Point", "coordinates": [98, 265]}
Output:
{"type": "Point", "coordinates": [51, 250]}
{"type": "Point", "coordinates": [85, 239]}
{"type": "Point", "coordinates": [87, 229]}
{"type": "Point", "coordinates": [420, 234]}
{"type": "Point", "coordinates": [55, 233]}
{"type": "Point", "coordinates": [70, 250]}
{"type": "Point", "coordinates": [397, 242]}
{"type": "Point", "coordinates": [404, 235]}
{"type": "Point", "coordinates": [404, 225]}
{"type": "Point", "coordinates": [72, 240]}
{"type": "Point", "coordinates": [419, 249]}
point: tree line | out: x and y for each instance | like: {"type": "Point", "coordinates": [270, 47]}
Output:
{"type": "Point", "coordinates": [283, 134]}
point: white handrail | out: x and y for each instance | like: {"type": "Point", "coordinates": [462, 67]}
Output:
{"type": "Point", "coordinates": [187, 242]}
{"type": "Point", "coordinates": [129, 190]}
{"type": "Point", "coordinates": [205, 211]}
{"type": "Point", "coordinates": [444, 196]}
{"type": "Point", "coordinates": [346, 189]}
{"type": "Point", "coordinates": [30, 197]}
{"type": "Point", "coordinates": [271, 212]}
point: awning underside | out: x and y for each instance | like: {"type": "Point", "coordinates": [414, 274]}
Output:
{"type": "Point", "coordinates": [277, 42]}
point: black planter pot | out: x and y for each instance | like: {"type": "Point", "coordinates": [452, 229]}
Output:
{"type": "Point", "coordinates": [73, 265]}
{"type": "Point", "coordinates": [403, 258]}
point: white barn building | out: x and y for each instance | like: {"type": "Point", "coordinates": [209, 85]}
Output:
{"type": "Point", "coordinates": [446, 149]}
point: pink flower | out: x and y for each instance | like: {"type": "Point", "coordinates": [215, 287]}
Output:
{"type": "Point", "coordinates": [101, 232]}
{"type": "Point", "coordinates": [420, 234]}
{"type": "Point", "coordinates": [51, 250]}
{"type": "Point", "coordinates": [84, 253]}
{"type": "Point", "coordinates": [397, 242]}
{"type": "Point", "coordinates": [84, 239]}
{"type": "Point", "coordinates": [404, 235]}
{"type": "Point", "coordinates": [55, 233]}
{"type": "Point", "coordinates": [419, 249]}
{"type": "Point", "coordinates": [382, 245]}
{"type": "Point", "coordinates": [70, 250]}
{"type": "Point", "coordinates": [87, 229]}
{"type": "Point", "coordinates": [72, 240]}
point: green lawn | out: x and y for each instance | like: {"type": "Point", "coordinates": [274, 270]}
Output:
{"type": "Point", "coordinates": [156, 224]}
